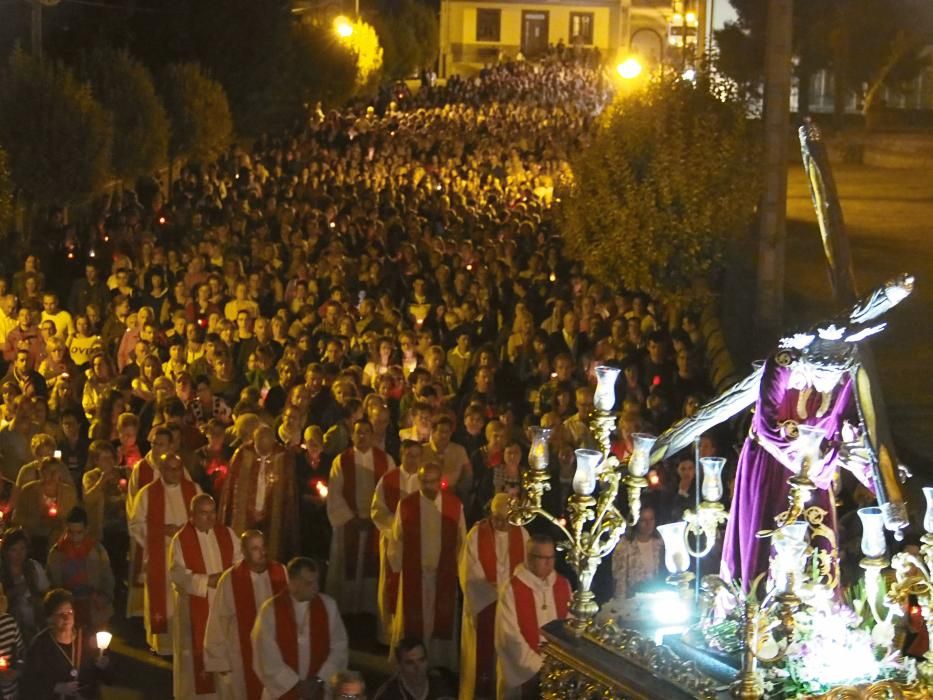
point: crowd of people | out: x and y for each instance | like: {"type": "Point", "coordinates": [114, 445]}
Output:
{"type": "Point", "coordinates": [311, 365]}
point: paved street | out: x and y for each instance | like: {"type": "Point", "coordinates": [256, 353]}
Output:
{"type": "Point", "coordinates": [889, 214]}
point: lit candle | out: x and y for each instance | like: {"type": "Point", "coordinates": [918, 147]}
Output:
{"type": "Point", "coordinates": [320, 486]}
{"type": "Point", "coordinates": [53, 511]}
{"type": "Point", "coordinates": [123, 484]}
{"type": "Point", "coordinates": [4, 663]}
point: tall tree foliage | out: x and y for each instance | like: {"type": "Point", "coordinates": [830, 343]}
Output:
{"type": "Point", "coordinates": [6, 195]}
{"type": "Point", "coordinates": [668, 180]}
{"type": "Point", "coordinates": [199, 113]}
{"type": "Point", "coordinates": [57, 135]}
{"type": "Point", "coordinates": [866, 43]}
{"type": "Point", "coordinates": [408, 31]}
{"type": "Point", "coordinates": [141, 127]}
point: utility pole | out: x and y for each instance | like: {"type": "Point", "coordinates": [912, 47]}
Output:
{"type": "Point", "coordinates": [35, 25]}
{"type": "Point", "coordinates": [772, 230]}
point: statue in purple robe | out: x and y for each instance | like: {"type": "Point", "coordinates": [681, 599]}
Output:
{"type": "Point", "coordinates": [795, 390]}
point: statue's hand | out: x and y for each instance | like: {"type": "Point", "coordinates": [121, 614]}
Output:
{"type": "Point", "coordinates": [854, 453]}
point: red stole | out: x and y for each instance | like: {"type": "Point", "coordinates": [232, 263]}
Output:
{"type": "Point", "coordinates": [156, 550]}
{"type": "Point", "coordinates": [392, 491]}
{"type": "Point", "coordinates": [486, 618]}
{"type": "Point", "coordinates": [146, 473]}
{"type": "Point", "coordinates": [486, 549]}
{"type": "Point", "coordinates": [446, 599]}
{"type": "Point", "coordinates": [286, 635]}
{"type": "Point", "coordinates": [351, 535]}
{"type": "Point", "coordinates": [527, 612]}
{"type": "Point", "coordinates": [199, 608]}
{"type": "Point", "coordinates": [244, 598]}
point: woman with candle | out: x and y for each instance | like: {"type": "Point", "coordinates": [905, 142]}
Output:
{"type": "Point", "coordinates": [11, 652]}
{"type": "Point", "coordinates": [105, 488]}
{"type": "Point", "coordinates": [43, 505]}
{"type": "Point", "coordinates": [63, 661]}
{"type": "Point", "coordinates": [24, 582]}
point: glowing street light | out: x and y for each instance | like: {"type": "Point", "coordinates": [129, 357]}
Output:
{"type": "Point", "coordinates": [629, 69]}
{"type": "Point", "coordinates": [343, 27]}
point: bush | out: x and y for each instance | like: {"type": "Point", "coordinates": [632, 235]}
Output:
{"type": "Point", "coordinates": [670, 177]}
{"type": "Point", "coordinates": [197, 106]}
{"type": "Point", "coordinates": [141, 128]}
{"type": "Point", "coordinates": [57, 135]}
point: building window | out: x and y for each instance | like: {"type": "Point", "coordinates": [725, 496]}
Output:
{"type": "Point", "coordinates": [581, 28]}
{"type": "Point", "coordinates": [488, 23]}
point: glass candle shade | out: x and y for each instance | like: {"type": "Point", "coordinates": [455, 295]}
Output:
{"type": "Point", "coordinates": [928, 518]}
{"type": "Point", "coordinates": [538, 455]}
{"type": "Point", "coordinates": [712, 478]}
{"type": "Point", "coordinates": [809, 439]}
{"type": "Point", "coordinates": [103, 639]}
{"type": "Point", "coordinates": [676, 558]}
{"type": "Point", "coordinates": [873, 542]}
{"type": "Point", "coordinates": [584, 479]}
{"type": "Point", "coordinates": [640, 461]}
{"type": "Point", "coordinates": [790, 546]}
{"type": "Point", "coordinates": [605, 397]}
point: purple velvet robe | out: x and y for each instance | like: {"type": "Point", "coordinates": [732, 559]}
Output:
{"type": "Point", "coordinates": [761, 486]}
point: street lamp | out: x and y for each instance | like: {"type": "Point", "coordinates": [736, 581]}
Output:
{"type": "Point", "coordinates": [343, 27]}
{"type": "Point", "coordinates": [629, 69]}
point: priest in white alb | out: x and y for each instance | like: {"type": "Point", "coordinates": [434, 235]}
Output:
{"type": "Point", "coordinates": [391, 489]}
{"type": "Point", "coordinates": [141, 474]}
{"type": "Point", "coordinates": [201, 551]}
{"type": "Point", "coordinates": [535, 596]}
{"type": "Point", "coordinates": [353, 571]}
{"type": "Point", "coordinates": [241, 590]}
{"type": "Point", "coordinates": [427, 534]}
{"type": "Point", "coordinates": [299, 641]}
{"type": "Point", "coordinates": [161, 510]}
{"type": "Point", "coordinates": [493, 550]}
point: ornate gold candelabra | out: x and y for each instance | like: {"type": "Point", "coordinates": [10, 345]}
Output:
{"type": "Point", "coordinates": [594, 524]}
{"type": "Point", "coordinates": [914, 576]}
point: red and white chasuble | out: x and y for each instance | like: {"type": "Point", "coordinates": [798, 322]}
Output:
{"type": "Point", "coordinates": [487, 561]}
{"type": "Point", "coordinates": [228, 651]}
{"type": "Point", "coordinates": [391, 488]}
{"type": "Point", "coordinates": [425, 543]}
{"type": "Point", "coordinates": [296, 640]}
{"type": "Point", "coordinates": [159, 506]}
{"type": "Point", "coordinates": [196, 555]}
{"type": "Point", "coordinates": [526, 604]}
{"type": "Point", "coordinates": [353, 573]}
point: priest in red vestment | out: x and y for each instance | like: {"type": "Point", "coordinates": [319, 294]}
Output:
{"type": "Point", "coordinates": [161, 510]}
{"type": "Point", "coordinates": [427, 534]}
{"type": "Point", "coordinates": [201, 551]}
{"type": "Point", "coordinates": [260, 494]}
{"type": "Point", "coordinates": [492, 551]}
{"type": "Point", "coordinates": [143, 473]}
{"type": "Point", "coordinates": [241, 590]}
{"type": "Point", "coordinates": [299, 640]}
{"type": "Point", "coordinates": [353, 572]}
{"type": "Point", "coordinates": [535, 596]}
{"type": "Point", "coordinates": [391, 489]}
